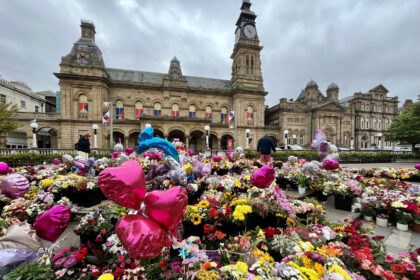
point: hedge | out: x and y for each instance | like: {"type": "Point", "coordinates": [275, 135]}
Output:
{"type": "Point", "coordinates": [34, 159]}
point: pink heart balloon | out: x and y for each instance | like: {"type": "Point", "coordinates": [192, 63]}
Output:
{"type": "Point", "coordinates": [14, 185]}
{"type": "Point", "coordinates": [3, 168]}
{"type": "Point", "coordinates": [330, 164]}
{"type": "Point", "coordinates": [167, 208]}
{"type": "Point", "coordinates": [263, 177]}
{"type": "Point", "coordinates": [417, 166]}
{"type": "Point", "coordinates": [49, 225]}
{"type": "Point", "coordinates": [217, 158]}
{"type": "Point", "coordinates": [124, 184]}
{"type": "Point", "coordinates": [140, 236]}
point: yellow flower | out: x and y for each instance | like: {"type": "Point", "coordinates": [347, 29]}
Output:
{"type": "Point", "coordinates": [307, 262]}
{"type": "Point", "coordinates": [203, 204]}
{"type": "Point", "coordinates": [337, 269]}
{"type": "Point", "coordinates": [240, 210]}
{"type": "Point", "coordinates": [290, 222]}
{"type": "Point", "coordinates": [243, 267]}
{"type": "Point", "coordinates": [196, 219]}
{"type": "Point", "coordinates": [319, 268]}
{"type": "Point", "coordinates": [238, 202]}
{"type": "Point", "coordinates": [188, 168]}
{"type": "Point", "coordinates": [319, 207]}
{"type": "Point", "coordinates": [123, 213]}
{"type": "Point", "coordinates": [106, 276]}
{"type": "Point", "coordinates": [47, 182]}
{"type": "Point", "coordinates": [191, 208]}
{"type": "Point", "coordinates": [338, 229]}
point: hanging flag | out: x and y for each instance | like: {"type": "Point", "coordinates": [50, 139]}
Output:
{"type": "Point", "coordinates": [250, 143]}
{"type": "Point", "coordinates": [83, 107]}
{"type": "Point", "coordinates": [106, 114]}
{"type": "Point", "coordinates": [139, 112]}
{"type": "Point", "coordinates": [231, 118]}
{"type": "Point", "coordinates": [249, 116]}
{"type": "Point", "coordinates": [119, 113]}
{"type": "Point", "coordinates": [230, 144]}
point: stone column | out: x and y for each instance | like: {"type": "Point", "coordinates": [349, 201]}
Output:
{"type": "Point", "coordinates": [187, 142]}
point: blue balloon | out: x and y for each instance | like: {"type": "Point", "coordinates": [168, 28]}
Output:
{"type": "Point", "coordinates": [146, 134]}
{"type": "Point", "coordinates": [146, 142]}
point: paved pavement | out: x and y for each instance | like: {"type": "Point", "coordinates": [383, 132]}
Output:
{"type": "Point", "coordinates": [398, 164]}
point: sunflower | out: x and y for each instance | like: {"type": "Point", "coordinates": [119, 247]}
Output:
{"type": "Point", "coordinates": [290, 222]}
{"type": "Point", "coordinates": [338, 229]}
{"type": "Point", "coordinates": [203, 204]}
{"type": "Point", "coordinates": [196, 219]}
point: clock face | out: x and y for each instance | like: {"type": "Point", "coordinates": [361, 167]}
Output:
{"type": "Point", "coordinates": [250, 31]}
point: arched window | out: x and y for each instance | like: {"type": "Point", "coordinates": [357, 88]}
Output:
{"type": "Point", "coordinates": [386, 124]}
{"type": "Point", "coordinates": [379, 124]}
{"type": "Point", "coordinates": [367, 107]}
{"type": "Point", "coordinates": [157, 109]}
{"type": "Point", "coordinates": [192, 112]}
{"type": "Point", "coordinates": [346, 140]}
{"type": "Point", "coordinates": [139, 109]}
{"type": "Point", "coordinates": [367, 123]}
{"type": "Point", "coordinates": [209, 113]}
{"type": "Point", "coordinates": [247, 64]}
{"type": "Point", "coordinates": [301, 140]}
{"type": "Point", "coordinates": [83, 60]}
{"type": "Point", "coordinates": [175, 110]}
{"type": "Point", "coordinates": [374, 124]}
{"type": "Point", "coordinates": [250, 113]}
{"type": "Point", "coordinates": [224, 115]}
{"type": "Point", "coordinates": [119, 110]}
{"type": "Point", "coordinates": [252, 65]}
{"type": "Point", "coordinates": [391, 109]}
{"type": "Point", "coordinates": [83, 104]}
{"type": "Point", "coordinates": [363, 107]}
{"type": "Point", "coordinates": [362, 123]}
{"type": "Point", "coordinates": [364, 142]}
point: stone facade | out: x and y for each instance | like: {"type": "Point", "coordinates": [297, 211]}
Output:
{"type": "Point", "coordinates": [175, 104]}
{"type": "Point", "coordinates": [355, 122]}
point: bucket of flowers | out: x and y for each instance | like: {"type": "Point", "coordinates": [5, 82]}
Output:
{"type": "Point", "coordinates": [382, 220]}
{"type": "Point", "coordinates": [403, 220]}
{"type": "Point", "coordinates": [344, 194]}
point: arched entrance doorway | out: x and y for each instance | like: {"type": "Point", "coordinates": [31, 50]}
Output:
{"type": "Point", "coordinates": [158, 133]}
{"type": "Point", "coordinates": [118, 138]}
{"type": "Point", "coordinates": [213, 144]}
{"type": "Point", "coordinates": [47, 138]}
{"type": "Point", "coordinates": [274, 140]}
{"type": "Point", "coordinates": [226, 139]}
{"type": "Point", "coordinates": [132, 139]}
{"type": "Point", "coordinates": [364, 143]}
{"type": "Point", "coordinates": [176, 134]}
{"type": "Point", "coordinates": [197, 141]}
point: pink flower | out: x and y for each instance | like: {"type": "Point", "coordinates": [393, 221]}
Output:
{"type": "Point", "coordinates": [389, 258]}
{"type": "Point", "coordinates": [403, 254]}
{"type": "Point", "coordinates": [409, 266]}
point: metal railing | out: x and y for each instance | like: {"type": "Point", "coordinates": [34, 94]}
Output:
{"type": "Point", "coordinates": [45, 151]}
{"type": "Point", "coordinates": [34, 115]}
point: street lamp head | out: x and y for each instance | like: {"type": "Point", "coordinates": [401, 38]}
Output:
{"type": "Point", "coordinates": [380, 134]}
{"type": "Point", "coordinates": [294, 135]}
{"type": "Point", "coordinates": [94, 126]}
{"type": "Point", "coordinates": [34, 125]}
{"type": "Point", "coordinates": [248, 131]}
{"type": "Point", "coordinates": [286, 132]}
{"type": "Point", "coordinates": [148, 125]}
{"type": "Point", "coordinates": [207, 128]}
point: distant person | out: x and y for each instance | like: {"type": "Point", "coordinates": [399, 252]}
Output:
{"type": "Point", "coordinates": [83, 146]}
{"type": "Point", "coordinates": [265, 145]}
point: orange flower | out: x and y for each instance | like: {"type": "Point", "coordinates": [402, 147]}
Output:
{"type": "Point", "coordinates": [220, 235]}
{"type": "Point", "coordinates": [332, 251]}
{"type": "Point", "coordinates": [206, 265]}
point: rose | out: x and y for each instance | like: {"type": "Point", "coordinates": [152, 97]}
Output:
{"type": "Point", "coordinates": [398, 269]}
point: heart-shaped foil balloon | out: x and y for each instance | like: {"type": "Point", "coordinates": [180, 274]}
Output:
{"type": "Point", "coordinates": [141, 237]}
{"type": "Point", "coordinates": [124, 184]}
{"type": "Point", "coordinates": [167, 208]}
{"type": "Point", "coordinates": [14, 185]}
{"type": "Point", "coordinates": [330, 164]}
{"type": "Point", "coordinates": [49, 225]}
{"type": "Point", "coordinates": [263, 177]}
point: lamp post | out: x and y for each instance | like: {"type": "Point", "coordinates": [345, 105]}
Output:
{"type": "Point", "coordinates": [95, 131]}
{"type": "Point", "coordinates": [294, 139]}
{"type": "Point", "coordinates": [34, 126]}
{"type": "Point", "coordinates": [207, 129]}
{"type": "Point", "coordinates": [352, 143]}
{"type": "Point", "coordinates": [247, 132]}
{"type": "Point", "coordinates": [148, 125]}
{"type": "Point", "coordinates": [286, 134]}
{"type": "Point", "coordinates": [380, 140]}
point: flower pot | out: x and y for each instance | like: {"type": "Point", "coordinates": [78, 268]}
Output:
{"type": "Point", "coordinates": [321, 197]}
{"type": "Point", "coordinates": [402, 227]}
{"type": "Point", "coordinates": [87, 198]}
{"type": "Point", "coordinates": [381, 222]}
{"type": "Point", "coordinates": [368, 218]}
{"type": "Point", "coordinates": [343, 202]}
{"type": "Point", "coordinates": [302, 190]}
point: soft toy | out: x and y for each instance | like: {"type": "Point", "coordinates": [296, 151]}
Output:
{"type": "Point", "coordinates": [325, 149]}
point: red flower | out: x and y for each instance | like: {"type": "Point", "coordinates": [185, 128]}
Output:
{"type": "Point", "coordinates": [132, 265]}
{"type": "Point", "coordinates": [212, 213]}
{"type": "Point", "coordinates": [228, 210]}
{"type": "Point", "coordinates": [269, 232]}
{"type": "Point", "coordinates": [79, 257]}
{"type": "Point", "coordinates": [95, 274]}
{"type": "Point", "coordinates": [411, 206]}
{"type": "Point", "coordinates": [398, 269]}
{"type": "Point", "coordinates": [122, 265]}
{"type": "Point", "coordinates": [162, 265]}
{"type": "Point", "coordinates": [120, 258]}
{"type": "Point", "coordinates": [84, 251]}
{"type": "Point", "coordinates": [349, 229]}
{"type": "Point", "coordinates": [378, 237]}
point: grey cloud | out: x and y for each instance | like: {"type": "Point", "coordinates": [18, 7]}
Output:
{"type": "Point", "coordinates": [355, 43]}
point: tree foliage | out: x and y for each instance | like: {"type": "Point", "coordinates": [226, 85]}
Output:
{"type": "Point", "coordinates": [406, 126]}
{"type": "Point", "coordinates": [7, 124]}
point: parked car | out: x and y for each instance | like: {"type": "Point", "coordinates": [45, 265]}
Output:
{"type": "Point", "coordinates": [295, 148]}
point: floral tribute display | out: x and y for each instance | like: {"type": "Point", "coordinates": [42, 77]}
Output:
{"type": "Point", "coordinates": [157, 217]}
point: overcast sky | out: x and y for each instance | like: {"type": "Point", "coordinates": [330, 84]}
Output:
{"type": "Point", "coordinates": [357, 44]}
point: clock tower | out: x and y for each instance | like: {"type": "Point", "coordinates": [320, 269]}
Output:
{"type": "Point", "coordinates": [246, 65]}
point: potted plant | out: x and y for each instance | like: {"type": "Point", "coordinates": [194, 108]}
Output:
{"type": "Point", "coordinates": [403, 219]}
{"type": "Point", "coordinates": [382, 220]}
{"type": "Point", "coordinates": [416, 221]}
{"type": "Point", "coordinates": [344, 194]}
{"type": "Point", "coordinates": [302, 181]}
{"type": "Point", "coordinates": [368, 213]}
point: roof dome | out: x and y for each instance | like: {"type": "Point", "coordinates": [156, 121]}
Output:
{"type": "Point", "coordinates": [311, 83]}
{"type": "Point", "coordinates": [333, 86]}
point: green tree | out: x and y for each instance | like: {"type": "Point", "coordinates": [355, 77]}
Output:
{"type": "Point", "coordinates": [406, 126]}
{"type": "Point", "coordinates": [7, 124]}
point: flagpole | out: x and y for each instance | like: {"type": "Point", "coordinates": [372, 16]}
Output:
{"type": "Point", "coordinates": [111, 136]}
{"type": "Point", "coordinates": [236, 128]}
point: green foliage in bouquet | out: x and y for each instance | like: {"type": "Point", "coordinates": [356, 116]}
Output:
{"type": "Point", "coordinates": [403, 217]}
{"type": "Point", "coordinates": [30, 271]}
